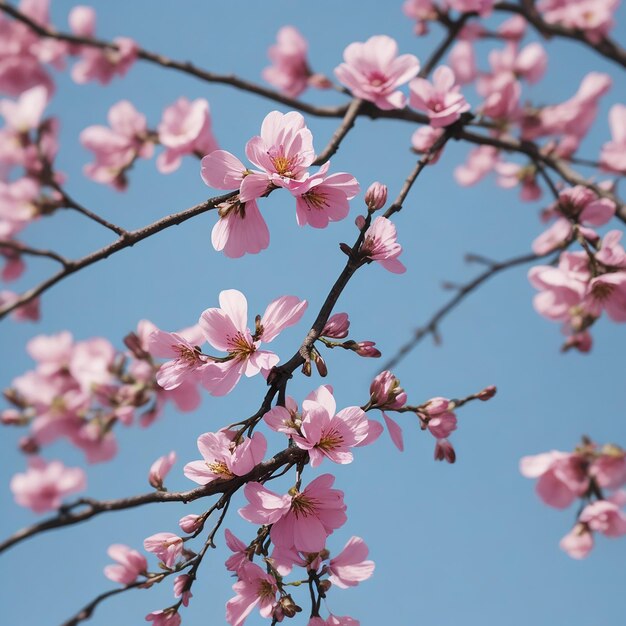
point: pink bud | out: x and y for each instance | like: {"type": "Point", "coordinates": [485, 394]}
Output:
{"type": "Point", "coordinates": [386, 393]}
{"type": "Point", "coordinates": [29, 445]}
{"type": "Point", "coordinates": [190, 523]}
{"type": "Point", "coordinates": [337, 326]}
{"type": "Point", "coordinates": [366, 349]}
{"type": "Point", "coordinates": [376, 196]}
{"type": "Point", "coordinates": [11, 417]}
{"type": "Point", "coordinates": [444, 451]}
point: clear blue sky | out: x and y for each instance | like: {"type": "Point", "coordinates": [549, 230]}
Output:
{"type": "Point", "coordinates": [467, 544]}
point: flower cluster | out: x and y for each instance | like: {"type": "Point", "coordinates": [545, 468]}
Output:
{"type": "Point", "coordinates": [586, 475]}
{"type": "Point", "coordinates": [283, 152]}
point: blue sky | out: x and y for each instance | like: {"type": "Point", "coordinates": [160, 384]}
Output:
{"type": "Point", "coordinates": [465, 544]}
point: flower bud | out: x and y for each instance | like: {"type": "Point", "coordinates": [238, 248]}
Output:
{"type": "Point", "coordinates": [324, 585]}
{"type": "Point", "coordinates": [376, 196]}
{"type": "Point", "coordinates": [386, 393]}
{"type": "Point", "coordinates": [29, 445]}
{"type": "Point", "coordinates": [337, 326]}
{"type": "Point", "coordinates": [288, 606]}
{"type": "Point", "coordinates": [190, 523]}
{"type": "Point", "coordinates": [444, 451]}
{"type": "Point", "coordinates": [487, 393]}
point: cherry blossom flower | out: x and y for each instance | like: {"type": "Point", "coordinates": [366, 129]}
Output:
{"type": "Point", "coordinates": [44, 485]}
{"type": "Point", "coordinates": [373, 71]}
{"type": "Point", "coordinates": [167, 547]}
{"type": "Point", "coordinates": [226, 329]}
{"type": "Point", "coordinates": [562, 477]}
{"type": "Point", "coordinates": [441, 99]}
{"type": "Point", "coordinates": [25, 113]}
{"type": "Point", "coordinates": [254, 588]}
{"type": "Point", "coordinates": [290, 72]}
{"type": "Point", "coordinates": [95, 63]}
{"type": "Point", "coordinates": [609, 468]}
{"type": "Point", "coordinates": [190, 523]}
{"type": "Point", "coordinates": [376, 196]}
{"type": "Point", "coordinates": [444, 450]}
{"type": "Point", "coordinates": [116, 148]}
{"type": "Point", "coordinates": [482, 7]}
{"type": "Point", "coordinates": [613, 155]}
{"type": "Point", "coordinates": [326, 434]}
{"type": "Point", "coordinates": [302, 520]}
{"type": "Point", "coordinates": [604, 517]}
{"type": "Point", "coordinates": [240, 558]}
{"type": "Point", "coordinates": [441, 421]}
{"type": "Point", "coordinates": [224, 457]}
{"type": "Point", "coordinates": [380, 244]}
{"type": "Point", "coordinates": [181, 588]}
{"type": "Point", "coordinates": [594, 17]}
{"type": "Point", "coordinates": [422, 11]}
{"type": "Point", "coordinates": [607, 293]}
{"type": "Point", "coordinates": [130, 564]}
{"type": "Point", "coordinates": [612, 253]}
{"type": "Point", "coordinates": [350, 566]}
{"type": "Point", "coordinates": [333, 620]}
{"type": "Point", "coordinates": [480, 162]}
{"type": "Point", "coordinates": [386, 393]}
{"type": "Point", "coordinates": [160, 469]}
{"type": "Point", "coordinates": [321, 199]}
{"type": "Point", "coordinates": [185, 128]}
{"type": "Point", "coordinates": [578, 543]}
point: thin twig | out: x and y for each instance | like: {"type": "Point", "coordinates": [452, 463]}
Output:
{"type": "Point", "coordinates": [23, 249]}
{"type": "Point", "coordinates": [432, 325]}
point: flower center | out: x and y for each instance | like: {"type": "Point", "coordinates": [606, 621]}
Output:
{"type": "Point", "coordinates": [602, 291]}
{"type": "Point", "coordinates": [315, 200]}
{"type": "Point", "coordinates": [283, 164]}
{"type": "Point", "coordinates": [220, 468]}
{"type": "Point", "coordinates": [302, 505]}
{"type": "Point", "coordinates": [187, 355]}
{"type": "Point", "coordinates": [240, 346]}
{"type": "Point", "coordinates": [330, 440]}
{"type": "Point", "coordinates": [265, 590]}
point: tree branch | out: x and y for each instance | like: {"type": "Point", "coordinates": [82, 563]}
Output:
{"type": "Point", "coordinates": [432, 325]}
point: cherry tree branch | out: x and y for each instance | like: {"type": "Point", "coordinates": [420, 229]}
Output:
{"type": "Point", "coordinates": [606, 47]}
{"type": "Point", "coordinates": [431, 327]}
{"type": "Point", "coordinates": [128, 239]}
{"type": "Point", "coordinates": [23, 249]}
{"type": "Point", "coordinates": [89, 508]}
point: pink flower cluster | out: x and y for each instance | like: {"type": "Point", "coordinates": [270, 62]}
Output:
{"type": "Point", "coordinates": [266, 591]}
{"type": "Point", "coordinates": [593, 17]}
{"type": "Point", "coordinates": [585, 474]}
{"type": "Point", "coordinates": [185, 129]}
{"type": "Point", "coordinates": [226, 329]}
{"type": "Point", "coordinates": [582, 287]}
{"type": "Point", "coordinates": [80, 389]}
{"type": "Point", "coordinates": [283, 152]}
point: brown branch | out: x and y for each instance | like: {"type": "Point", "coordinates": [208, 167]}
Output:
{"type": "Point", "coordinates": [89, 508]}
{"type": "Point", "coordinates": [346, 125]}
{"type": "Point", "coordinates": [431, 327]}
{"type": "Point", "coordinates": [130, 238]}
{"type": "Point", "coordinates": [526, 8]}
{"type": "Point", "coordinates": [23, 249]}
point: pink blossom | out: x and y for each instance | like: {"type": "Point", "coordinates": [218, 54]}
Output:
{"type": "Point", "coordinates": [511, 174]}
{"type": "Point", "coordinates": [116, 148]}
{"type": "Point", "coordinates": [480, 162]}
{"type": "Point", "coordinates": [607, 292]}
{"type": "Point", "coordinates": [594, 17]}
{"type": "Point", "coordinates": [321, 199]}
{"type": "Point", "coordinates": [160, 469]}
{"type": "Point", "coordinates": [380, 244]}
{"type": "Point", "coordinates": [303, 519]}
{"type": "Point", "coordinates": [444, 450]}
{"type": "Point", "coordinates": [528, 63]}
{"type": "Point", "coordinates": [182, 585]}
{"type": "Point", "coordinates": [18, 205]}
{"type": "Point", "coordinates": [95, 63]}
{"type": "Point", "coordinates": [441, 420]}
{"type": "Point", "coordinates": [285, 419]}
{"type": "Point", "coordinates": [254, 588]}
{"type": "Point", "coordinates": [226, 329]}
{"type": "Point", "coordinates": [424, 138]}
{"type": "Point", "coordinates": [337, 326]}
{"type": "Point", "coordinates": [441, 99]}
{"type": "Point", "coordinates": [14, 266]}
{"type": "Point", "coordinates": [333, 620]}
{"type": "Point", "coordinates": [513, 28]}
{"type": "Point", "coordinates": [578, 543]}
{"type": "Point", "coordinates": [395, 432]}
{"type": "Point", "coordinates": [185, 128]}
{"type": "Point", "coordinates": [289, 72]}
{"type": "Point", "coordinates": [167, 547]}
{"type": "Point", "coordinates": [164, 617]}
{"type": "Point", "coordinates": [326, 434]}
{"type": "Point", "coordinates": [613, 155]}
{"type": "Point", "coordinates": [187, 359]}
{"type": "Point", "coordinates": [25, 114]}
{"type": "Point", "coordinates": [349, 567]}
{"type": "Point", "coordinates": [609, 469]}
{"type": "Point", "coordinates": [224, 457]}
{"type": "Point", "coordinates": [482, 7]}
{"type": "Point", "coordinates": [604, 517]}
{"type": "Point", "coordinates": [373, 71]}
{"type": "Point", "coordinates": [422, 11]}
{"type": "Point", "coordinates": [240, 558]}
{"type": "Point", "coordinates": [240, 230]}
{"type": "Point", "coordinates": [612, 253]}
{"type": "Point", "coordinates": [562, 477]}
{"type": "Point", "coordinates": [462, 60]}
{"type": "Point", "coordinates": [365, 349]}
{"type": "Point", "coordinates": [283, 151]}
{"type": "Point", "coordinates": [130, 564]}
{"type": "Point", "coordinates": [43, 486]}
{"type": "Point", "coordinates": [561, 288]}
